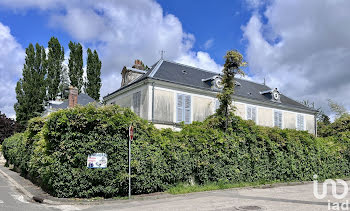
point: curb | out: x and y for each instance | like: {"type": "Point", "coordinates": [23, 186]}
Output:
{"type": "Point", "coordinates": [18, 186]}
{"type": "Point", "coordinates": [27, 193]}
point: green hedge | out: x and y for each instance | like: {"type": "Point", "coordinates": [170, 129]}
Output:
{"type": "Point", "coordinates": [53, 153]}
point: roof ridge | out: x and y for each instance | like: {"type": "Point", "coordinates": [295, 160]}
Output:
{"type": "Point", "coordinates": [155, 69]}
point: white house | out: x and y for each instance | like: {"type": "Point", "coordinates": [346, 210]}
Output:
{"type": "Point", "coordinates": [169, 93]}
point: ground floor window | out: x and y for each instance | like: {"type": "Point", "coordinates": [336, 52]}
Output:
{"type": "Point", "coordinates": [300, 122]}
{"type": "Point", "coordinates": [278, 118]}
{"type": "Point", "coordinates": [251, 113]}
{"type": "Point", "coordinates": [183, 108]}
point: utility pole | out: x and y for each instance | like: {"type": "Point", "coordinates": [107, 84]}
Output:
{"type": "Point", "coordinates": [131, 137]}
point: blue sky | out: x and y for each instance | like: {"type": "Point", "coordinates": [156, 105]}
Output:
{"type": "Point", "coordinates": [284, 41]}
{"type": "Point", "coordinates": [217, 24]}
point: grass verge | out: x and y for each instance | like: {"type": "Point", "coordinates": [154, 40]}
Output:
{"type": "Point", "coordinates": [186, 188]}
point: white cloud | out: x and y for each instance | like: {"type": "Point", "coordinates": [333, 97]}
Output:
{"type": "Point", "coordinates": [122, 31]}
{"type": "Point", "coordinates": [303, 49]}
{"type": "Point", "coordinates": [201, 60]}
{"type": "Point", "coordinates": [11, 61]}
{"type": "Point", "coordinates": [208, 44]}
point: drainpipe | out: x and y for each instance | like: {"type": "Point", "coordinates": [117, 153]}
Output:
{"type": "Point", "coordinates": [152, 101]}
{"type": "Point", "coordinates": [315, 125]}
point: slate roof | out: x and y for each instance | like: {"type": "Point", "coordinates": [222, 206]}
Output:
{"type": "Point", "coordinates": [83, 99]}
{"type": "Point", "coordinates": [192, 77]}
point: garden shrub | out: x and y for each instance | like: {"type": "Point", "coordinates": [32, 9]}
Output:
{"type": "Point", "coordinates": [53, 152]}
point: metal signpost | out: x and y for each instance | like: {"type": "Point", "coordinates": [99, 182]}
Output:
{"type": "Point", "coordinates": [131, 137]}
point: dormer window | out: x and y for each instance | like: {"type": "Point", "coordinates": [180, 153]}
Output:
{"type": "Point", "coordinates": [216, 82]}
{"type": "Point", "coordinates": [274, 94]}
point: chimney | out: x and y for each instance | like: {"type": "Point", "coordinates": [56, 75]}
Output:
{"type": "Point", "coordinates": [138, 65]}
{"type": "Point", "coordinates": [73, 96]}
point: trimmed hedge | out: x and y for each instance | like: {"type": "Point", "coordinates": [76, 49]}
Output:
{"type": "Point", "coordinates": [53, 153]}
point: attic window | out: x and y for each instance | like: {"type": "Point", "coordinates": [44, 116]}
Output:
{"type": "Point", "coordinates": [184, 72]}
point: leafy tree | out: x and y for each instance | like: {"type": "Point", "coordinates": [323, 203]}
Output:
{"type": "Point", "coordinates": [31, 88]}
{"type": "Point", "coordinates": [93, 71]}
{"type": "Point", "coordinates": [75, 65]}
{"type": "Point", "coordinates": [336, 108]}
{"type": "Point", "coordinates": [54, 67]}
{"type": "Point", "coordinates": [324, 119]}
{"type": "Point", "coordinates": [233, 64]}
{"type": "Point", "coordinates": [7, 127]}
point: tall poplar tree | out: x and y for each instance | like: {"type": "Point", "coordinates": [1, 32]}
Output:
{"type": "Point", "coordinates": [93, 71]}
{"type": "Point", "coordinates": [54, 67]}
{"type": "Point", "coordinates": [31, 88]}
{"type": "Point", "coordinates": [75, 65]}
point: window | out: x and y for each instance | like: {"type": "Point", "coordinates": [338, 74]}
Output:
{"type": "Point", "coordinates": [137, 102]}
{"type": "Point", "coordinates": [183, 108]}
{"type": "Point", "coordinates": [251, 113]}
{"type": "Point", "coordinates": [300, 122]}
{"type": "Point", "coordinates": [217, 104]}
{"type": "Point", "coordinates": [278, 119]}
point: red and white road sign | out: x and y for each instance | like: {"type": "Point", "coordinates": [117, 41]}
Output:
{"type": "Point", "coordinates": [131, 132]}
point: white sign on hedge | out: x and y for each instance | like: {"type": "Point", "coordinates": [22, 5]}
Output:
{"type": "Point", "coordinates": [97, 160]}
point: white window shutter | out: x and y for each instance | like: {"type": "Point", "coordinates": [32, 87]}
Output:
{"type": "Point", "coordinates": [179, 108]}
{"type": "Point", "coordinates": [300, 122]}
{"type": "Point", "coordinates": [217, 104]}
{"type": "Point", "coordinates": [249, 113]}
{"type": "Point", "coordinates": [137, 102]}
{"type": "Point", "coordinates": [187, 109]}
{"type": "Point", "coordinates": [275, 118]}
{"type": "Point", "coordinates": [254, 114]}
{"type": "Point", "coordinates": [278, 119]}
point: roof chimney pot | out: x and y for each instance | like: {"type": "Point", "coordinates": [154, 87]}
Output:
{"type": "Point", "coordinates": [73, 96]}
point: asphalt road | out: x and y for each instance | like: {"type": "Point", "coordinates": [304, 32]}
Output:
{"type": "Point", "coordinates": [12, 200]}
{"type": "Point", "coordinates": [286, 198]}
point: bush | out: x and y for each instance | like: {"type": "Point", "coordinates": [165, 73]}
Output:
{"type": "Point", "coordinates": [341, 124]}
{"type": "Point", "coordinates": [53, 153]}
{"type": "Point", "coordinates": [8, 127]}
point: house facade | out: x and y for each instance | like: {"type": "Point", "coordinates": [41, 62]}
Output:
{"type": "Point", "coordinates": [169, 93]}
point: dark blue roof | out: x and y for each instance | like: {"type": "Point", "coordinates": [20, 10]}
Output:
{"type": "Point", "coordinates": [83, 99]}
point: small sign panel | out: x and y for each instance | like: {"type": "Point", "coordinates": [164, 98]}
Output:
{"type": "Point", "coordinates": [131, 133]}
{"type": "Point", "coordinates": [97, 160]}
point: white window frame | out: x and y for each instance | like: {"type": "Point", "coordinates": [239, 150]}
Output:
{"type": "Point", "coordinates": [297, 122]}
{"type": "Point", "coordinates": [274, 123]}
{"type": "Point", "coordinates": [183, 108]}
{"type": "Point", "coordinates": [249, 107]}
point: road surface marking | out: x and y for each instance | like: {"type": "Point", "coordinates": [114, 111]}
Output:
{"type": "Point", "coordinates": [1, 202]}
{"type": "Point", "coordinates": [19, 198]}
